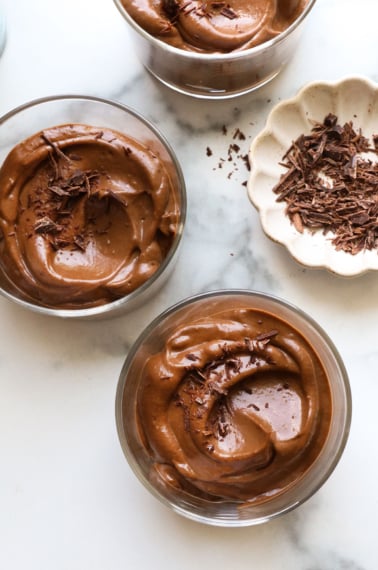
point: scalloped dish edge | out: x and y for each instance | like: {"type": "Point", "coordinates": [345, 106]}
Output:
{"type": "Point", "coordinates": [310, 249]}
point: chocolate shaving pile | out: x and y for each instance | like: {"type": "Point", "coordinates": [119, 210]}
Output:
{"type": "Point", "coordinates": [54, 206]}
{"type": "Point", "coordinates": [330, 186]}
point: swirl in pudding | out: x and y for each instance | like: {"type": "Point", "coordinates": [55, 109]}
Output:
{"type": "Point", "coordinates": [235, 406]}
{"type": "Point", "coordinates": [211, 27]}
{"type": "Point", "coordinates": [87, 215]}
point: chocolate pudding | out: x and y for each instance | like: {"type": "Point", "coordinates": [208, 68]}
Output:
{"type": "Point", "coordinates": [215, 50]}
{"type": "Point", "coordinates": [87, 215]}
{"type": "Point", "coordinates": [236, 406]}
{"type": "Point", "coordinates": [211, 27]}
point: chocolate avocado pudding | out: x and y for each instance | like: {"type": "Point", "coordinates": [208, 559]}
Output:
{"type": "Point", "coordinates": [235, 406]}
{"type": "Point", "coordinates": [87, 215]}
{"type": "Point", "coordinates": [214, 26]}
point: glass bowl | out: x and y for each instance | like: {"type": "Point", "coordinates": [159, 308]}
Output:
{"type": "Point", "coordinates": [213, 412]}
{"type": "Point", "coordinates": [215, 75]}
{"type": "Point", "coordinates": [134, 171]}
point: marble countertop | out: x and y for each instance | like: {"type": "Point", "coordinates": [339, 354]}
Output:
{"type": "Point", "coordinates": [68, 499]}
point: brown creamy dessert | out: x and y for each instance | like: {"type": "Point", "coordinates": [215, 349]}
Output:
{"type": "Point", "coordinates": [87, 215]}
{"type": "Point", "coordinates": [209, 27]}
{"type": "Point", "coordinates": [235, 406]}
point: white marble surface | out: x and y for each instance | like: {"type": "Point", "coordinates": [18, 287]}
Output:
{"type": "Point", "coordinates": [68, 500]}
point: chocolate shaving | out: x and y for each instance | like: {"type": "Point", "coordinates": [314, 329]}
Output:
{"type": "Point", "coordinates": [79, 241]}
{"type": "Point", "coordinates": [245, 159]}
{"type": "Point", "coordinates": [222, 425]}
{"type": "Point", "coordinates": [166, 28]}
{"type": "Point", "coordinates": [173, 8]}
{"type": "Point", "coordinates": [238, 134]}
{"type": "Point", "coordinates": [187, 7]}
{"type": "Point", "coordinates": [330, 186]}
{"type": "Point", "coordinates": [46, 226]}
{"type": "Point", "coordinates": [267, 335]}
{"type": "Point", "coordinates": [58, 242]}
{"type": "Point", "coordinates": [58, 190]}
{"type": "Point", "coordinates": [64, 195]}
{"type": "Point", "coordinates": [77, 184]}
{"type": "Point", "coordinates": [237, 158]}
{"type": "Point", "coordinates": [54, 163]}
{"type": "Point", "coordinates": [229, 13]}
{"type": "Point", "coordinates": [55, 147]}
{"type": "Point", "coordinates": [186, 418]}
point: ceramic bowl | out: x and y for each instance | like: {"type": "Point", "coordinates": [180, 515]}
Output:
{"type": "Point", "coordinates": [351, 99]}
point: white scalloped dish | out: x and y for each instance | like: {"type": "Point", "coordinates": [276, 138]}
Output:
{"type": "Point", "coordinates": [353, 99]}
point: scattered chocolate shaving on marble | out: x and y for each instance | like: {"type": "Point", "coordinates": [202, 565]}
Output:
{"type": "Point", "coordinates": [330, 186]}
{"type": "Point", "coordinates": [245, 159]}
{"type": "Point", "coordinates": [233, 148]}
{"type": "Point", "coordinates": [236, 156]}
{"type": "Point", "coordinates": [238, 134]}
{"type": "Point", "coordinates": [173, 9]}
